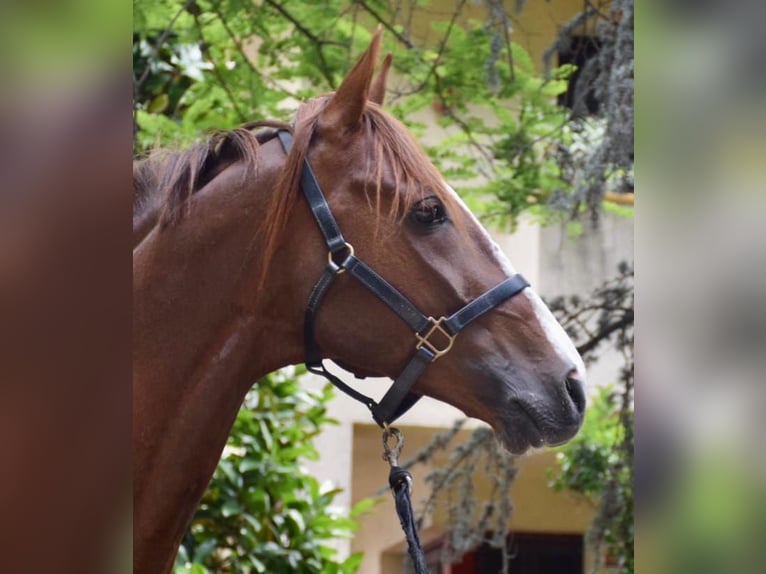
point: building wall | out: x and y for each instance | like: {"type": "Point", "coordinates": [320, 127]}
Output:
{"type": "Point", "coordinates": [534, 28]}
{"type": "Point", "coordinates": [536, 507]}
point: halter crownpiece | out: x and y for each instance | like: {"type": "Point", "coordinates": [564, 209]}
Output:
{"type": "Point", "coordinates": [434, 337]}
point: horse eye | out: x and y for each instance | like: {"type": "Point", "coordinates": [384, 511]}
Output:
{"type": "Point", "coordinates": [429, 211]}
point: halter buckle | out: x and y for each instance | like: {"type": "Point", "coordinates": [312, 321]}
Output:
{"type": "Point", "coordinates": [340, 266]}
{"type": "Point", "coordinates": [436, 328]}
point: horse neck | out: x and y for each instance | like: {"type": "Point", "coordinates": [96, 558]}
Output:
{"type": "Point", "coordinates": [202, 337]}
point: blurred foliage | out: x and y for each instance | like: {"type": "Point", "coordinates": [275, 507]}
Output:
{"type": "Point", "coordinates": [71, 39]}
{"type": "Point", "coordinates": [215, 64]}
{"type": "Point", "coordinates": [598, 465]}
{"type": "Point", "coordinates": [717, 516]}
{"type": "Point", "coordinates": [263, 511]}
{"type": "Point", "coordinates": [598, 462]}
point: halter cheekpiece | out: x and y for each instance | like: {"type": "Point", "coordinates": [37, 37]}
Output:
{"type": "Point", "coordinates": [434, 337]}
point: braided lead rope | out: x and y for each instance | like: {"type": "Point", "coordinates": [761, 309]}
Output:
{"type": "Point", "coordinates": [400, 482]}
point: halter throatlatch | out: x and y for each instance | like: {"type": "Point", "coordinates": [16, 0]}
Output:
{"type": "Point", "coordinates": [433, 337]}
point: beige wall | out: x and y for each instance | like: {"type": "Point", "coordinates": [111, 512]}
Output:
{"type": "Point", "coordinates": [534, 28]}
{"type": "Point", "coordinates": [537, 508]}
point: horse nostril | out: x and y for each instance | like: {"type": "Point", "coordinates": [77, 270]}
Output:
{"type": "Point", "coordinates": [576, 391]}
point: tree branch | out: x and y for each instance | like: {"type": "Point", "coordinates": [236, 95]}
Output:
{"type": "Point", "coordinates": [217, 72]}
{"type": "Point", "coordinates": [240, 47]}
{"type": "Point", "coordinates": [138, 83]}
{"type": "Point", "coordinates": [386, 24]}
{"type": "Point", "coordinates": [604, 333]}
{"type": "Point", "coordinates": [318, 42]}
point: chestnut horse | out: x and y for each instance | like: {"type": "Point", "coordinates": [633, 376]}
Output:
{"type": "Point", "coordinates": [227, 252]}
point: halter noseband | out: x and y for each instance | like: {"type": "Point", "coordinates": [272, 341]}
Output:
{"type": "Point", "coordinates": [434, 336]}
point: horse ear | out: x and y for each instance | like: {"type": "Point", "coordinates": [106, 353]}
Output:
{"type": "Point", "coordinates": [345, 108]}
{"type": "Point", "coordinates": [378, 88]}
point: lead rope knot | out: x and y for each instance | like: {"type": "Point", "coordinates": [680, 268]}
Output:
{"type": "Point", "coordinates": [400, 481]}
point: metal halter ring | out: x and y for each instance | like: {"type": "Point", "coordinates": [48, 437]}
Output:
{"type": "Point", "coordinates": [391, 454]}
{"type": "Point", "coordinates": [349, 253]}
{"type": "Point", "coordinates": [436, 327]}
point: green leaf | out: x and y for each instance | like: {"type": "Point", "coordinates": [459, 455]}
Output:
{"type": "Point", "coordinates": [249, 464]}
{"type": "Point", "coordinates": [352, 563]}
{"type": "Point", "coordinates": [230, 508]}
{"type": "Point", "coordinates": [364, 506]}
{"type": "Point", "coordinates": [205, 549]}
{"type": "Point", "coordinates": [266, 435]}
{"type": "Point", "coordinates": [159, 104]}
{"type": "Point", "coordinates": [297, 519]}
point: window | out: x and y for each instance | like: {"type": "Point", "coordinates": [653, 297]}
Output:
{"type": "Point", "coordinates": [546, 554]}
{"type": "Point", "coordinates": [581, 50]}
{"type": "Point", "coordinates": [531, 553]}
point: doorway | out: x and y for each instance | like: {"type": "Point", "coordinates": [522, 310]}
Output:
{"type": "Point", "coordinates": [531, 553]}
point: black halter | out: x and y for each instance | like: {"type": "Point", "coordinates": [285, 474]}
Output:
{"type": "Point", "coordinates": [434, 336]}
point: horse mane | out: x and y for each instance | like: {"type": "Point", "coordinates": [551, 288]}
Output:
{"type": "Point", "coordinates": [169, 178]}
{"type": "Point", "coordinates": [177, 175]}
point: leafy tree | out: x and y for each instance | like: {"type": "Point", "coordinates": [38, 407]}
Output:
{"type": "Point", "coordinates": [263, 511]}
{"type": "Point", "coordinates": [204, 64]}
{"type": "Point", "coordinates": [609, 77]}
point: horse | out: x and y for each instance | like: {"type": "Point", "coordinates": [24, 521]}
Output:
{"type": "Point", "coordinates": [227, 254]}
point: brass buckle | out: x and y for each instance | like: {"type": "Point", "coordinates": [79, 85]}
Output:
{"type": "Point", "coordinates": [331, 261]}
{"type": "Point", "coordinates": [436, 327]}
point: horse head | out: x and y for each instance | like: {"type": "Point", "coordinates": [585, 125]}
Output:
{"type": "Point", "coordinates": [514, 367]}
